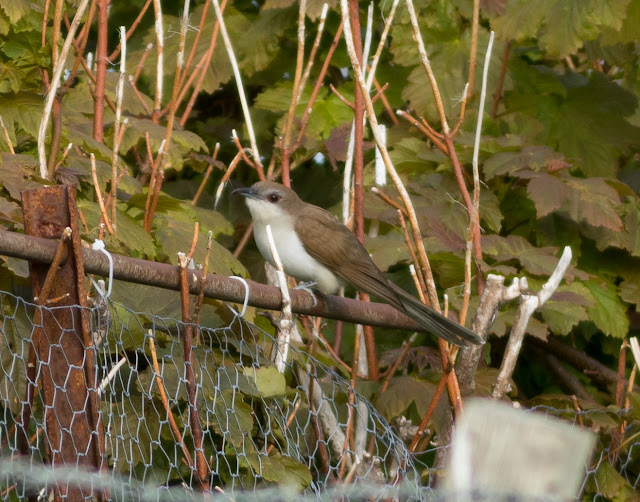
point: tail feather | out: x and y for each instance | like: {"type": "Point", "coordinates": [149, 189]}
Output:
{"type": "Point", "coordinates": [436, 323]}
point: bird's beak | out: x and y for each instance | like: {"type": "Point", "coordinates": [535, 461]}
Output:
{"type": "Point", "coordinates": [246, 192]}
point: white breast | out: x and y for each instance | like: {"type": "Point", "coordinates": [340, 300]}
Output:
{"type": "Point", "coordinates": [295, 259]}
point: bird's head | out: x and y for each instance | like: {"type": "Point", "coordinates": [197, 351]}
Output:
{"type": "Point", "coordinates": [269, 201]}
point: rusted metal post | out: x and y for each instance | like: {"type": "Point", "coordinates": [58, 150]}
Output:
{"type": "Point", "coordinates": [64, 356]}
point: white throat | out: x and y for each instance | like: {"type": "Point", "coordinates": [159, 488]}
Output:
{"type": "Point", "coordinates": [295, 259]}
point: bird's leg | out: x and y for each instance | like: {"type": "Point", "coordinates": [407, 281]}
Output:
{"type": "Point", "coordinates": [307, 286]}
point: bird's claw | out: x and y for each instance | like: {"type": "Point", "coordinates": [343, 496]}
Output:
{"type": "Point", "coordinates": [307, 286]}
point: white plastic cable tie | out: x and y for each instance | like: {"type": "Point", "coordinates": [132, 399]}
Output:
{"type": "Point", "coordinates": [98, 245]}
{"type": "Point", "coordinates": [246, 295]}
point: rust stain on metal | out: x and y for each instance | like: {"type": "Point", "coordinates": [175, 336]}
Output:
{"type": "Point", "coordinates": [59, 342]}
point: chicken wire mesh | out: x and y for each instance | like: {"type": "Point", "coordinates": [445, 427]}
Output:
{"type": "Point", "coordinates": [262, 430]}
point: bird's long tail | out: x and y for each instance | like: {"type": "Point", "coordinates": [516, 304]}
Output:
{"type": "Point", "coordinates": [436, 323]}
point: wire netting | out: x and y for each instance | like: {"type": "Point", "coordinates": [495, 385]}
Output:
{"type": "Point", "coordinates": [263, 430]}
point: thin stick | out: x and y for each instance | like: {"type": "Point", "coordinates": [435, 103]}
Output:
{"type": "Point", "coordinates": [236, 140]}
{"type": "Point", "coordinates": [314, 50]}
{"type": "Point", "coordinates": [307, 112]}
{"type": "Point", "coordinates": [147, 49]}
{"type": "Point", "coordinates": [427, 416]}
{"type": "Point", "coordinates": [206, 176]}
{"type": "Point", "coordinates": [424, 59]}
{"type": "Point", "coordinates": [474, 217]}
{"type": "Point", "coordinates": [204, 64]}
{"type": "Point", "coordinates": [101, 71]}
{"type": "Point", "coordinates": [475, 21]}
{"type": "Point", "coordinates": [238, 78]}
{"type": "Point", "coordinates": [225, 178]}
{"type": "Point", "coordinates": [157, 98]}
{"type": "Point", "coordinates": [55, 82]}
{"type": "Point", "coordinates": [201, 465]}
{"type": "Point", "coordinates": [96, 186]}
{"type": "Point", "coordinates": [285, 323]}
{"type": "Point", "coordinates": [200, 300]}
{"type": "Point", "coordinates": [427, 131]}
{"type": "Point", "coordinates": [131, 29]}
{"type": "Point", "coordinates": [53, 268]}
{"type": "Point", "coordinates": [116, 129]}
{"type": "Point", "coordinates": [64, 156]}
{"type": "Point", "coordinates": [6, 136]}
{"type": "Point", "coordinates": [244, 240]}
{"type": "Point", "coordinates": [165, 401]}
{"type": "Point", "coordinates": [406, 345]}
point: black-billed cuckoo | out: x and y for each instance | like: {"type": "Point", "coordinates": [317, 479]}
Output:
{"type": "Point", "coordinates": [315, 246]}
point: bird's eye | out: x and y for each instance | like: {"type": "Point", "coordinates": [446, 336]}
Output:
{"type": "Point", "coordinates": [273, 197]}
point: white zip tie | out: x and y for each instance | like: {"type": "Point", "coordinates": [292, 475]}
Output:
{"type": "Point", "coordinates": [98, 245]}
{"type": "Point", "coordinates": [246, 295]}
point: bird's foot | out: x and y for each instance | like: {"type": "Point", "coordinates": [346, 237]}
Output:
{"type": "Point", "coordinates": [307, 286]}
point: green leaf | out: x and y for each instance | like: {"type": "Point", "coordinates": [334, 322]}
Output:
{"type": "Point", "coordinates": [182, 142]}
{"type": "Point", "coordinates": [507, 163]}
{"type": "Point", "coordinates": [561, 317]}
{"type": "Point", "coordinates": [537, 261]}
{"type": "Point", "coordinates": [609, 313]}
{"type": "Point", "coordinates": [269, 380]}
{"type": "Point", "coordinates": [22, 111]}
{"type": "Point", "coordinates": [561, 26]}
{"type": "Point", "coordinates": [590, 200]}
{"type": "Point", "coordinates": [16, 9]}
{"type": "Point", "coordinates": [16, 172]}
{"type": "Point", "coordinates": [174, 232]}
{"type": "Point", "coordinates": [130, 238]}
{"type": "Point", "coordinates": [607, 482]}
{"type": "Point", "coordinates": [592, 135]}
{"type": "Point", "coordinates": [286, 472]}
{"type": "Point", "coordinates": [233, 422]}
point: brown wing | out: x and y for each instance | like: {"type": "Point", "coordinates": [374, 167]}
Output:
{"type": "Point", "coordinates": [349, 260]}
{"type": "Point", "coordinates": [343, 253]}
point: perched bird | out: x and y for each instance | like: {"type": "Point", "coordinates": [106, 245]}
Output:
{"type": "Point", "coordinates": [315, 246]}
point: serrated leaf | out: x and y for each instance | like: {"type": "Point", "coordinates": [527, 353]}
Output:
{"type": "Point", "coordinates": [269, 381]}
{"type": "Point", "coordinates": [561, 317]}
{"type": "Point", "coordinates": [590, 200]}
{"type": "Point", "coordinates": [233, 422]}
{"type": "Point", "coordinates": [609, 313]}
{"type": "Point", "coordinates": [181, 144]}
{"type": "Point", "coordinates": [285, 471]}
{"type": "Point", "coordinates": [607, 481]}
{"type": "Point", "coordinates": [561, 26]}
{"type": "Point", "coordinates": [16, 172]}
{"type": "Point", "coordinates": [575, 127]}
{"type": "Point", "coordinates": [22, 111]}
{"type": "Point", "coordinates": [174, 233]}
{"type": "Point", "coordinates": [130, 237]}
{"type": "Point", "coordinates": [537, 261]}
{"type": "Point", "coordinates": [531, 157]}
{"type": "Point", "coordinates": [16, 9]}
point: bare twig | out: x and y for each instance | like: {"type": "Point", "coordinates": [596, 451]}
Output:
{"type": "Point", "coordinates": [238, 78]}
{"type": "Point", "coordinates": [474, 216]}
{"type": "Point", "coordinates": [6, 136]}
{"type": "Point", "coordinates": [55, 82]}
{"type": "Point", "coordinates": [130, 31]}
{"type": "Point", "coordinates": [529, 303]}
{"type": "Point", "coordinates": [285, 323]}
{"type": "Point", "coordinates": [206, 176]}
{"type": "Point", "coordinates": [201, 465]}
{"type": "Point", "coordinates": [96, 186]}
{"type": "Point", "coordinates": [286, 135]}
